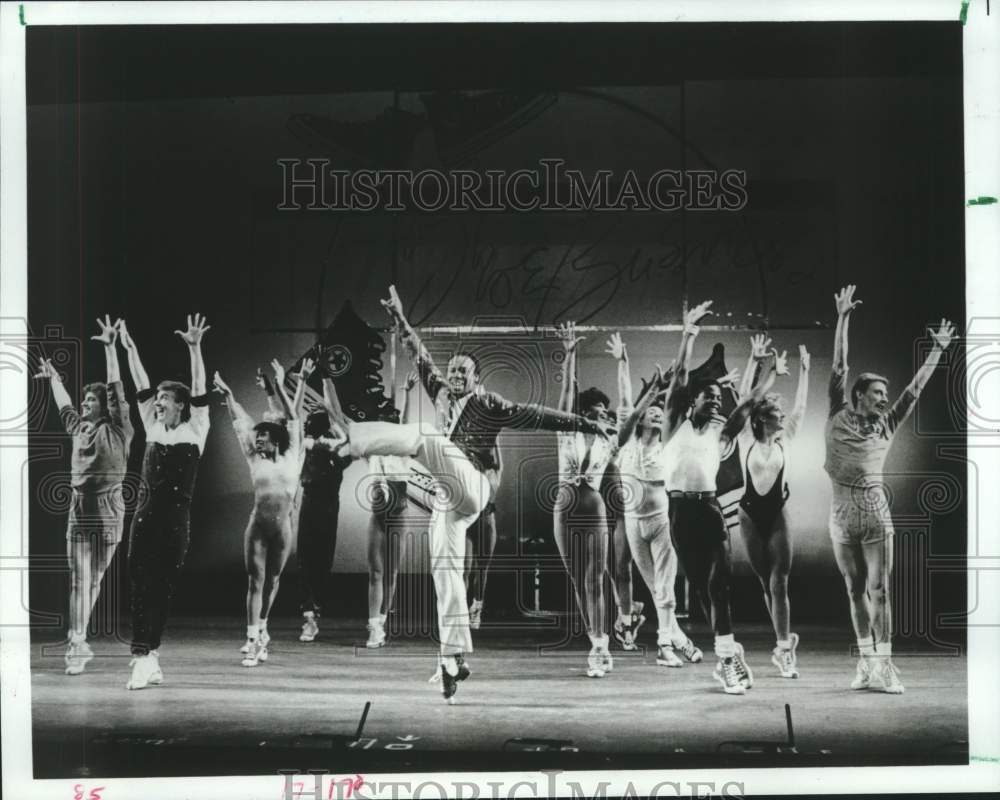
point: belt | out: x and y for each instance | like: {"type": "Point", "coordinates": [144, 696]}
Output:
{"type": "Point", "coordinates": [692, 495]}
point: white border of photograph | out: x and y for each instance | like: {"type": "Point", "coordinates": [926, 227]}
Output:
{"type": "Point", "coordinates": [981, 57]}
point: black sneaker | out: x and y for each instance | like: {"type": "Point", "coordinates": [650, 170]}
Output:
{"type": "Point", "coordinates": [449, 682]}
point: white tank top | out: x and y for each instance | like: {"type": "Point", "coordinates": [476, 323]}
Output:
{"type": "Point", "coordinates": [693, 457]}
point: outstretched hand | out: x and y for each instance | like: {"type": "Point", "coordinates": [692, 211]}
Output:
{"type": "Point", "coordinates": [411, 380]}
{"type": "Point", "coordinates": [780, 362]}
{"type": "Point", "coordinates": [730, 378]}
{"type": "Point", "coordinates": [196, 328]}
{"type": "Point", "coordinates": [803, 357]}
{"type": "Point", "coordinates": [259, 379]}
{"type": "Point", "coordinates": [759, 346]}
{"type": "Point", "coordinates": [567, 335]}
{"type": "Point", "coordinates": [393, 305]}
{"type": "Point", "coordinates": [220, 386]}
{"type": "Point", "coordinates": [46, 371]}
{"type": "Point", "coordinates": [108, 334]}
{"type": "Point", "coordinates": [279, 371]}
{"type": "Point", "coordinates": [306, 368]}
{"type": "Point", "coordinates": [616, 347]}
{"type": "Point", "coordinates": [845, 299]}
{"type": "Point", "coordinates": [944, 334]}
{"type": "Point", "coordinates": [695, 315]}
{"type": "Point", "coordinates": [123, 335]}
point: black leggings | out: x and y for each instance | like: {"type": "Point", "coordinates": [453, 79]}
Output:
{"type": "Point", "coordinates": [701, 540]}
{"type": "Point", "coordinates": [158, 543]}
{"type": "Point", "coordinates": [317, 543]}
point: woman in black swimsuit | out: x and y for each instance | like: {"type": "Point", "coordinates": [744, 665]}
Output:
{"type": "Point", "coordinates": [763, 518]}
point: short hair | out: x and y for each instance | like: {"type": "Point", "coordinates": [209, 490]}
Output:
{"type": "Point", "coordinates": [100, 391]}
{"type": "Point", "coordinates": [701, 386]}
{"type": "Point", "coordinates": [317, 423]}
{"type": "Point", "coordinates": [276, 417]}
{"type": "Point", "coordinates": [181, 393]}
{"type": "Point", "coordinates": [278, 434]}
{"type": "Point", "coordinates": [770, 402]}
{"type": "Point", "coordinates": [476, 366]}
{"type": "Point", "coordinates": [591, 397]}
{"type": "Point", "coordinates": [390, 414]}
{"type": "Point", "coordinates": [861, 384]}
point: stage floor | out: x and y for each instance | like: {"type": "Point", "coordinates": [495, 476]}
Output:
{"type": "Point", "coordinates": [302, 708]}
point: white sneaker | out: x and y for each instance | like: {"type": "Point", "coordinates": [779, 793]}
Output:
{"type": "Point", "coordinates": [157, 677]}
{"type": "Point", "coordinates": [689, 651]}
{"type": "Point", "coordinates": [863, 674]}
{"type": "Point", "coordinates": [785, 660]}
{"type": "Point", "coordinates": [595, 663]}
{"type": "Point", "coordinates": [666, 657]}
{"type": "Point", "coordinates": [742, 667]}
{"type": "Point", "coordinates": [246, 646]}
{"type": "Point", "coordinates": [476, 614]}
{"type": "Point", "coordinates": [309, 627]}
{"type": "Point", "coordinates": [885, 677]}
{"type": "Point", "coordinates": [728, 675]}
{"type": "Point", "coordinates": [376, 635]}
{"type": "Point", "coordinates": [144, 668]}
{"type": "Point", "coordinates": [77, 656]}
{"type": "Point", "coordinates": [252, 658]}
{"type": "Point", "coordinates": [607, 662]}
{"type": "Point", "coordinates": [265, 640]}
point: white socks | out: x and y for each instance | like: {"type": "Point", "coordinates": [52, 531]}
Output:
{"type": "Point", "coordinates": [784, 644]}
{"type": "Point", "coordinates": [867, 647]}
{"type": "Point", "coordinates": [725, 646]}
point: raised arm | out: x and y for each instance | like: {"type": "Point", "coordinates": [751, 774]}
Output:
{"type": "Point", "coordinates": [69, 416]}
{"type": "Point", "coordinates": [678, 385]}
{"type": "Point", "coordinates": [759, 347]}
{"type": "Point", "coordinates": [305, 370]}
{"type": "Point", "coordinates": [567, 392]}
{"type": "Point", "coordinates": [905, 402]}
{"type": "Point", "coordinates": [242, 421]}
{"type": "Point", "coordinates": [845, 302]}
{"type": "Point", "coordinates": [430, 375]}
{"type": "Point", "coordinates": [139, 376]}
{"type": "Point", "coordinates": [618, 351]}
{"type": "Point", "coordinates": [264, 382]}
{"type": "Point", "coordinates": [118, 411]}
{"type": "Point", "coordinates": [107, 337]}
{"type": "Point", "coordinates": [279, 386]}
{"type": "Point", "coordinates": [196, 328]}
{"type": "Point", "coordinates": [404, 396]}
{"type": "Point", "coordinates": [794, 422]}
{"type": "Point", "coordinates": [655, 387]}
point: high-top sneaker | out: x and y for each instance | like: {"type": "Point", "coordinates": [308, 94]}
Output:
{"type": "Point", "coordinates": [309, 627]}
{"type": "Point", "coordinates": [727, 674]}
{"type": "Point", "coordinates": [453, 670]}
{"type": "Point", "coordinates": [785, 660]}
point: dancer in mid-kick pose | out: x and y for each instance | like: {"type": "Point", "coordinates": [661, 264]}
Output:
{"type": "Point", "coordinates": [859, 433]}
{"type": "Point", "coordinates": [646, 513]}
{"type": "Point", "coordinates": [175, 418]}
{"type": "Point", "coordinates": [763, 517]}
{"type": "Point", "coordinates": [458, 458]}
{"type": "Point", "coordinates": [102, 434]}
{"type": "Point", "coordinates": [273, 453]}
{"type": "Point", "coordinates": [580, 517]}
{"type": "Point", "coordinates": [698, 437]}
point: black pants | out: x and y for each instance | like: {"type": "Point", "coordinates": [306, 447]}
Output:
{"type": "Point", "coordinates": [701, 540]}
{"type": "Point", "coordinates": [317, 542]}
{"type": "Point", "coordinates": [158, 543]}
